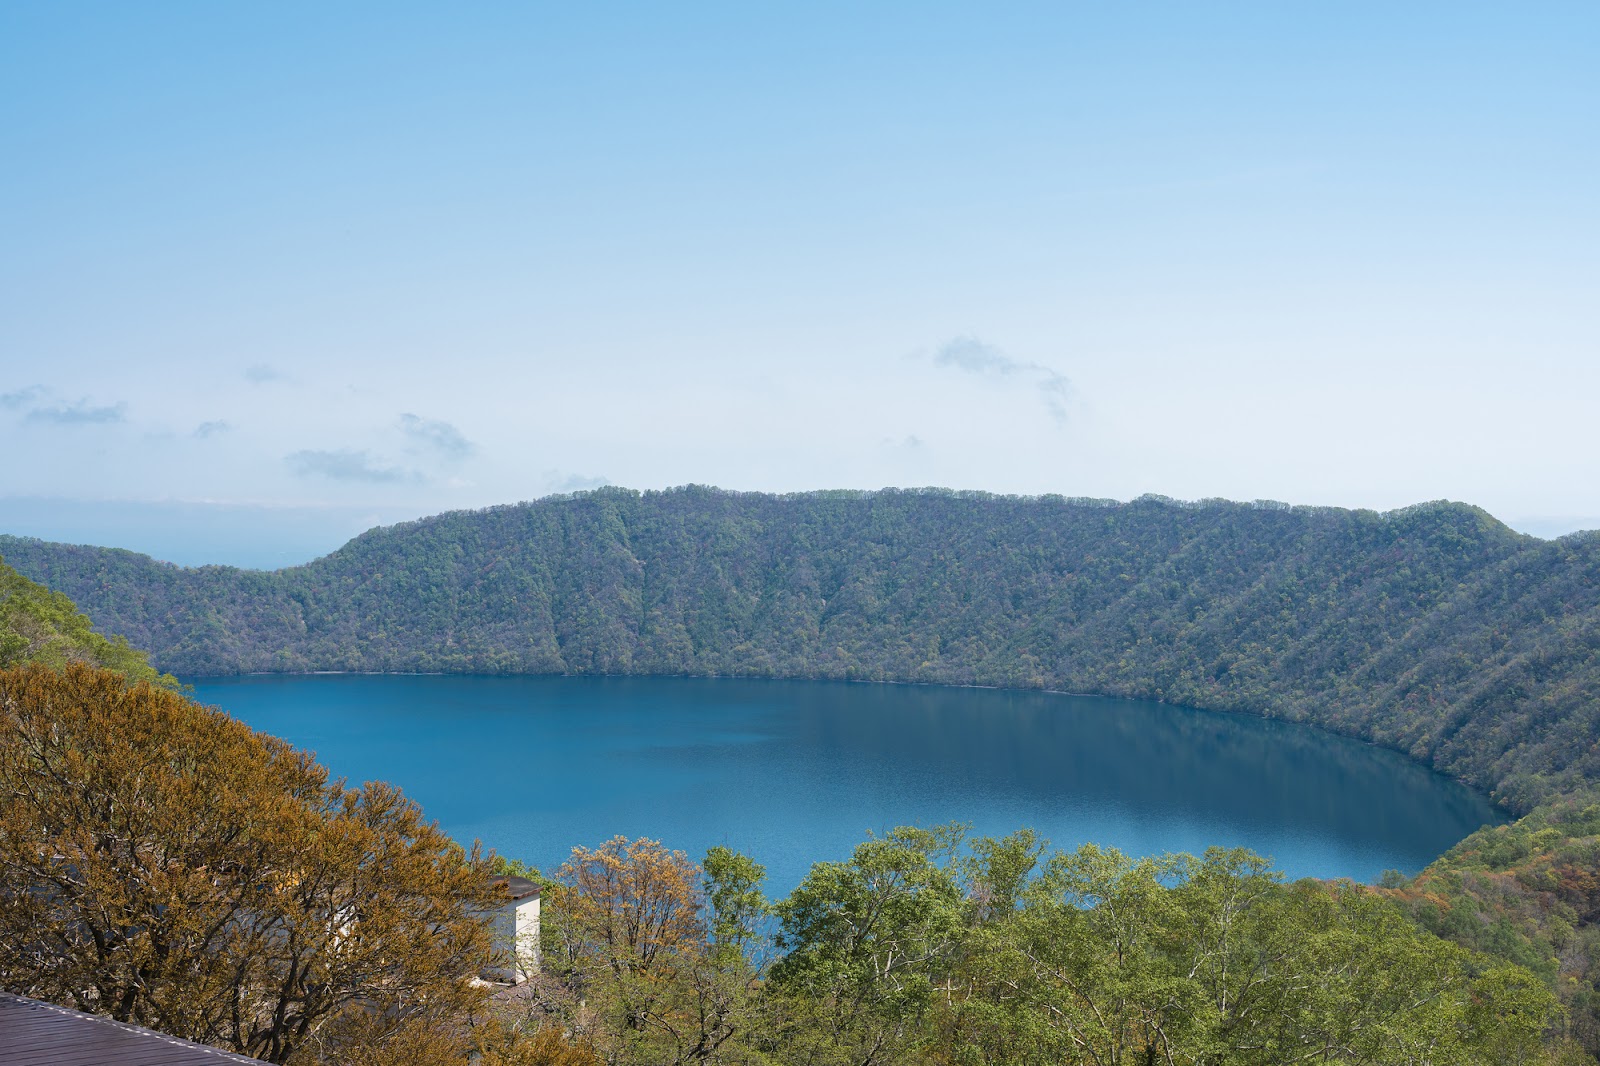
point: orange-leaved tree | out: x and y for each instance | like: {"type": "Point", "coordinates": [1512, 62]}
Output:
{"type": "Point", "coordinates": [164, 864]}
{"type": "Point", "coordinates": [631, 929]}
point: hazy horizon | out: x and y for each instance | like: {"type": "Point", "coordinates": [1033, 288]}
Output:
{"type": "Point", "coordinates": [268, 538]}
{"type": "Point", "coordinates": [272, 276]}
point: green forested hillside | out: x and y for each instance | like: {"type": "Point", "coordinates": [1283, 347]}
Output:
{"type": "Point", "coordinates": [41, 626]}
{"type": "Point", "coordinates": [1528, 892]}
{"type": "Point", "coordinates": [1433, 629]}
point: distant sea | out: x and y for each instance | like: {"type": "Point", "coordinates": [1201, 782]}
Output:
{"type": "Point", "coordinates": [793, 772]}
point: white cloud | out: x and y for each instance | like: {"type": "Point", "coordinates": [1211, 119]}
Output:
{"type": "Point", "coordinates": [436, 436]}
{"type": "Point", "coordinates": [975, 357]}
{"type": "Point", "coordinates": [347, 464]}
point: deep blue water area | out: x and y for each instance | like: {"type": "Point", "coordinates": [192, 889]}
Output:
{"type": "Point", "coordinates": [793, 772]}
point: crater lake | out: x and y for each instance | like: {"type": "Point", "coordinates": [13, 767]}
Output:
{"type": "Point", "coordinates": [795, 772]}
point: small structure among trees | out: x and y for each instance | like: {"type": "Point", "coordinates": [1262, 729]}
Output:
{"type": "Point", "coordinates": [514, 927]}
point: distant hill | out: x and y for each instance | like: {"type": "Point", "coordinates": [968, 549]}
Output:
{"type": "Point", "coordinates": [44, 626]}
{"type": "Point", "coordinates": [1434, 629]}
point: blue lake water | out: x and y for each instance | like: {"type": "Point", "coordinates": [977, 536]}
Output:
{"type": "Point", "coordinates": [793, 772]}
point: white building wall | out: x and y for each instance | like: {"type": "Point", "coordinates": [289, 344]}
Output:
{"type": "Point", "coordinates": [515, 928]}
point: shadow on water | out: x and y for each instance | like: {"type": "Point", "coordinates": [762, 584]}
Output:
{"type": "Point", "coordinates": [794, 772]}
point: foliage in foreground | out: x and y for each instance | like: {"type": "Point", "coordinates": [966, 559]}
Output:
{"type": "Point", "coordinates": [925, 949]}
{"type": "Point", "coordinates": [163, 864]}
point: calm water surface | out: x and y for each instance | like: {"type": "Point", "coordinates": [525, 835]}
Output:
{"type": "Point", "coordinates": [792, 772]}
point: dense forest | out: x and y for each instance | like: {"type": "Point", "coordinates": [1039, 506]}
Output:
{"type": "Point", "coordinates": [1434, 629]}
{"type": "Point", "coordinates": [40, 626]}
{"type": "Point", "coordinates": [1529, 893]}
{"type": "Point", "coordinates": [925, 947]}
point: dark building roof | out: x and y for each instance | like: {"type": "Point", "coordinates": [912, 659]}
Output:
{"type": "Point", "coordinates": [42, 1034]}
{"type": "Point", "coordinates": [520, 887]}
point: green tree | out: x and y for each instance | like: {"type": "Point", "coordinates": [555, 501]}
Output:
{"type": "Point", "coordinates": [38, 625]}
{"type": "Point", "coordinates": [866, 943]}
{"type": "Point", "coordinates": [997, 872]}
{"type": "Point", "coordinates": [736, 908]}
{"type": "Point", "coordinates": [1208, 961]}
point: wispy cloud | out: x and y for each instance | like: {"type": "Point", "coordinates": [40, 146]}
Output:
{"type": "Point", "coordinates": [973, 356]}
{"type": "Point", "coordinates": [81, 413]}
{"type": "Point", "coordinates": [347, 464]}
{"type": "Point", "coordinates": [211, 429]}
{"type": "Point", "coordinates": [911, 442]}
{"type": "Point", "coordinates": [22, 397]}
{"type": "Point", "coordinates": [560, 482]}
{"type": "Point", "coordinates": [436, 436]}
{"type": "Point", "coordinates": [261, 374]}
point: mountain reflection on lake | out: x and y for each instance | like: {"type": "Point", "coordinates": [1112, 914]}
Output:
{"type": "Point", "coordinates": [793, 772]}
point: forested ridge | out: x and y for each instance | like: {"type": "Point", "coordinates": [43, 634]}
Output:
{"type": "Point", "coordinates": [1434, 629]}
{"type": "Point", "coordinates": [38, 625]}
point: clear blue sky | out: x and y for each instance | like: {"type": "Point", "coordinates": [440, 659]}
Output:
{"type": "Point", "coordinates": [271, 273]}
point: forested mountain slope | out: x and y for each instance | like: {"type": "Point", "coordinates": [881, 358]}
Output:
{"type": "Point", "coordinates": [38, 625]}
{"type": "Point", "coordinates": [1433, 629]}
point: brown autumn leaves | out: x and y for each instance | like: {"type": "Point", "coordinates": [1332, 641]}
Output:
{"type": "Point", "coordinates": [163, 864]}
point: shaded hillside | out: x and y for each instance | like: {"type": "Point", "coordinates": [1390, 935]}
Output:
{"type": "Point", "coordinates": [1433, 629]}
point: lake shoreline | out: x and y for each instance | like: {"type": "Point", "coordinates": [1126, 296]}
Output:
{"type": "Point", "coordinates": [1077, 767]}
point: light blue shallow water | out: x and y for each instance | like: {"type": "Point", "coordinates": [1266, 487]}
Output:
{"type": "Point", "coordinates": [792, 772]}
